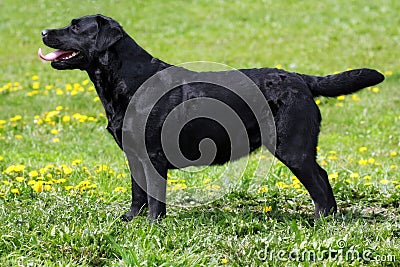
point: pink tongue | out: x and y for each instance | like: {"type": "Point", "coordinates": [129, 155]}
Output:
{"type": "Point", "coordinates": [53, 55]}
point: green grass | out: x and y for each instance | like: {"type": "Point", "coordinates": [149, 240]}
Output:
{"type": "Point", "coordinates": [81, 227]}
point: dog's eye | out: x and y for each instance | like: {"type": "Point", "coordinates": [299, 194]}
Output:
{"type": "Point", "coordinates": [75, 28]}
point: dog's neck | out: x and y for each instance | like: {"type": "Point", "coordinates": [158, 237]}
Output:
{"type": "Point", "coordinates": [116, 74]}
{"type": "Point", "coordinates": [117, 77]}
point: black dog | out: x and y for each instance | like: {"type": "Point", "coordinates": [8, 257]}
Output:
{"type": "Point", "coordinates": [118, 67]}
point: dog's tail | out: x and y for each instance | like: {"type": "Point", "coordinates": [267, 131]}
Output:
{"type": "Point", "coordinates": [343, 83]}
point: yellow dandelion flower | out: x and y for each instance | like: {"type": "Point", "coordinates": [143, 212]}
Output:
{"type": "Point", "coordinates": [47, 187]}
{"type": "Point", "coordinates": [96, 99]}
{"type": "Point", "coordinates": [120, 189]}
{"type": "Point", "coordinates": [83, 183]}
{"type": "Point", "coordinates": [18, 136]}
{"type": "Point", "coordinates": [368, 183]}
{"type": "Point", "coordinates": [324, 162]}
{"type": "Point", "coordinates": [398, 186]}
{"type": "Point", "coordinates": [1, 158]}
{"type": "Point", "coordinates": [354, 175]}
{"type": "Point", "coordinates": [66, 170]}
{"type": "Point", "coordinates": [78, 87]}
{"type": "Point", "coordinates": [56, 140]}
{"type": "Point", "coordinates": [31, 182]}
{"type": "Point", "coordinates": [371, 160]}
{"type": "Point", "coordinates": [38, 186]}
{"type": "Point", "coordinates": [362, 149]}
{"type": "Point", "coordinates": [208, 187]}
{"type": "Point", "coordinates": [279, 66]}
{"type": "Point", "coordinates": [384, 181]}
{"type": "Point", "coordinates": [367, 177]}
{"type": "Point", "coordinates": [59, 91]}
{"type": "Point", "coordinates": [76, 162]}
{"type": "Point", "coordinates": [6, 182]}
{"type": "Point", "coordinates": [18, 168]}
{"type": "Point", "coordinates": [282, 185]}
{"type": "Point", "coordinates": [48, 87]}
{"type": "Point", "coordinates": [66, 119]}
{"type": "Point", "coordinates": [33, 174]}
{"type": "Point", "coordinates": [332, 157]}
{"type": "Point", "coordinates": [393, 154]}
{"type": "Point", "coordinates": [318, 102]}
{"type": "Point", "coordinates": [363, 162]}
{"type": "Point", "coordinates": [34, 92]}
{"type": "Point", "coordinates": [85, 82]}
{"type": "Point", "coordinates": [15, 191]}
{"type": "Point", "coordinates": [339, 104]}
{"type": "Point", "coordinates": [334, 175]}
{"type": "Point", "coordinates": [263, 189]}
{"type": "Point", "coordinates": [267, 208]}
{"type": "Point", "coordinates": [295, 185]}
{"type": "Point", "coordinates": [393, 166]}
{"type": "Point", "coordinates": [58, 108]}
{"type": "Point", "coordinates": [54, 131]}
{"type": "Point", "coordinates": [35, 85]}
{"type": "Point", "coordinates": [3, 122]}
{"type": "Point", "coordinates": [16, 118]}
{"type": "Point", "coordinates": [333, 152]}
{"type": "Point", "coordinates": [35, 78]}
{"type": "Point", "coordinates": [48, 167]}
{"type": "Point", "coordinates": [388, 73]}
{"type": "Point", "coordinates": [206, 181]}
{"type": "Point", "coordinates": [341, 97]}
{"type": "Point", "coordinates": [355, 97]}
{"type": "Point", "coordinates": [68, 87]}
{"type": "Point", "coordinates": [68, 187]}
{"type": "Point", "coordinates": [181, 186]}
{"type": "Point", "coordinates": [224, 261]}
{"type": "Point", "coordinates": [375, 90]}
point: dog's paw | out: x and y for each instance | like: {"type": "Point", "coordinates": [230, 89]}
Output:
{"type": "Point", "coordinates": [127, 217]}
{"type": "Point", "coordinates": [325, 212]}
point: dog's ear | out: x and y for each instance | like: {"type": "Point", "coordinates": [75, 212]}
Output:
{"type": "Point", "coordinates": [109, 32]}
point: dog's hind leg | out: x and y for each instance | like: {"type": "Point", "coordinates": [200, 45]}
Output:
{"type": "Point", "coordinates": [297, 138]}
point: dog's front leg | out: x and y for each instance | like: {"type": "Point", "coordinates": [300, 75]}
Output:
{"type": "Point", "coordinates": [156, 178]}
{"type": "Point", "coordinates": [139, 195]}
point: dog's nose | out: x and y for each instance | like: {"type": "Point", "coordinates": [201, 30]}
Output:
{"type": "Point", "coordinates": [44, 33]}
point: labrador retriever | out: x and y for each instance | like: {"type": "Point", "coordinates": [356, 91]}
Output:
{"type": "Point", "coordinates": [120, 69]}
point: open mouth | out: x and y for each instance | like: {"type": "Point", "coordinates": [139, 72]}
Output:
{"type": "Point", "coordinates": [59, 55]}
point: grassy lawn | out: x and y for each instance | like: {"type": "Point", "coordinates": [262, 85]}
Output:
{"type": "Point", "coordinates": [64, 183]}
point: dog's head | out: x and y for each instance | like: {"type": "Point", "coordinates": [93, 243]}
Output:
{"type": "Point", "coordinates": [81, 42]}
